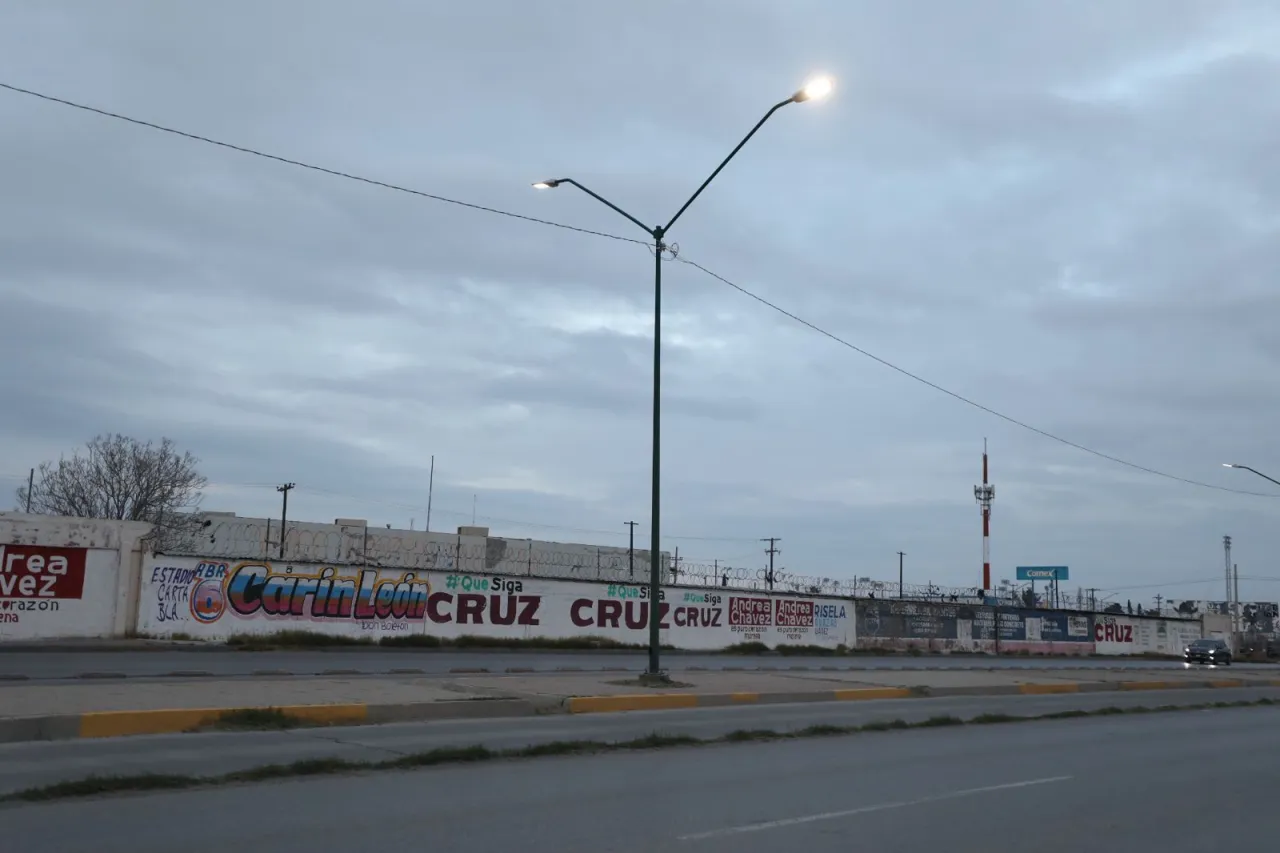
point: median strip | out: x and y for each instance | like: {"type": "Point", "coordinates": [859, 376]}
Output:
{"type": "Point", "coordinates": [100, 785]}
{"type": "Point", "coordinates": [1048, 689]}
{"type": "Point", "coordinates": [177, 720]}
{"type": "Point", "coordinates": [120, 723]}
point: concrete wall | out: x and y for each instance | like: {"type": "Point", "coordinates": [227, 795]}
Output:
{"type": "Point", "coordinates": [215, 599]}
{"type": "Point", "coordinates": [68, 577]}
{"type": "Point", "coordinates": [353, 542]}
{"type": "Point", "coordinates": [938, 627]}
{"type": "Point", "coordinates": [62, 578]}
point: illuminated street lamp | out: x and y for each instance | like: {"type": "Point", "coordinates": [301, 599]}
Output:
{"type": "Point", "coordinates": [1253, 470]}
{"type": "Point", "coordinates": [815, 89]}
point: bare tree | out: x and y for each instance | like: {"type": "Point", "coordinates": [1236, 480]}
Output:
{"type": "Point", "coordinates": [119, 477]}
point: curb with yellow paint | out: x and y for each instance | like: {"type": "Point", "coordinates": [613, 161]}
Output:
{"type": "Point", "coordinates": [171, 721]}
{"type": "Point", "coordinates": [627, 702]}
{"type": "Point", "coordinates": [856, 694]}
{"type": "Point", "coordinates": [672, 701]}
{"type": "Point", "coordinates": [1047, 689]}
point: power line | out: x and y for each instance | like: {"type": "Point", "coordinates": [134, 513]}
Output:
{"type": "Point", "coordinates": [809, 325]}
{"type": "Point", "coordinates": [323, 169]}
{"type": "Point", "coordinates": [966, 400]}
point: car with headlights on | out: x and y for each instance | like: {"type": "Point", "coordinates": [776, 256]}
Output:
{"type": "Point", "coordinates": [1210, 651]}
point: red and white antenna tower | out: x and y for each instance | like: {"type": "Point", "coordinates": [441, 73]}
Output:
{"type": "Point", "coordinates": [984, 495]}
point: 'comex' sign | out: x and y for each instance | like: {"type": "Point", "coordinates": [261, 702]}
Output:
{"type": "Point", "coordinates": [1042, 573]}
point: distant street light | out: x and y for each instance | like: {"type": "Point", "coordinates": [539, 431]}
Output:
{"type": "Point", "coordinates": [815, 89]}
{"type": "Point", "coordinates": [1254, 470]}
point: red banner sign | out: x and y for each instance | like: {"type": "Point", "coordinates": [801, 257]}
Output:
{"type": "Point", "coordinates": [34, 571]}
{"type": "Point", "coordinates": [753, 612]}
{"type": "Point", "coordinates": [792, 613]}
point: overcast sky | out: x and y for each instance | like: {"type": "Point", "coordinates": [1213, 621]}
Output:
{"type": "Point", "coordinates": [1066, 211]}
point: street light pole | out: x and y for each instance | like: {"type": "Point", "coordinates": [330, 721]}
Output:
{"type": "Point", "coordinates": [1253, 470]}
{"type": "Point", "coordinates": [814, 89]}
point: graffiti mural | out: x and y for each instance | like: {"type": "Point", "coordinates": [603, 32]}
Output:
{"type": "Point", "coordinates": [256, 587]}
{"type": "Point", "coordinates": [184, 595]}
{"type": "Point", "coordinates": [215, 599]}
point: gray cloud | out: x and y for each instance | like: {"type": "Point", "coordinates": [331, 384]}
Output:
{"type": "Point", "coordinates": [1068, 216]}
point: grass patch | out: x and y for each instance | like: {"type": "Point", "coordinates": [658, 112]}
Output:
{"type": "Point", "coordinates": [443, 755]}
{"type": "Point", "coordinates": [744, 735]}
{"type": "Point", "coordinates": [884, 726]}
{"type": "Point", "coordinates": [305, 767]}
{"type": "Point", "coordinates": [652, 685]}
{"type": "Point", "coordinates": [660, 741]}
{"type": "Point", "coordinates": [752, 648]}
{"type": "Point", "coordinates": [315, 640]}
{"type": "Point", "coordinates": [257, 718]}
{"type": "Point", "coordinates": [809, 650]}
{"type": "Point", "coordinates": [824, 731]}
{"type": "Point", "coordinates": [991, 719]}
{"type": "Point", "coordinates": [102, 785]}
{"type": "Point", "coordinates": [562, 747]}
{"type": "Point", "coordinates": [589, 643]}
{"type": "Point", "coordinates": [417, 641]}
{"type": "Point", "coordinates": [98, 785]}
{"type": "Point", "coordinates": [293, 640]}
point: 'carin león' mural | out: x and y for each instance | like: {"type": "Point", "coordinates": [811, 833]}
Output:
{"type": "Point", "coordinates": [201, 597]}
{"type": "Point", "coordinates": [254, 587]}
{"type": "Point", "coordinates": [213, 600]}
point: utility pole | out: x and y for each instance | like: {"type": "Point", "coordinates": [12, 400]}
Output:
{"type": "Point", "coordinates": [631, 549]}
{"type": "Point", "coordinates": [1159, 598]}
{"type": "Point", "coordinates": [31, 483]}
{"type": "Point", "coordinates": [1093, 597]}
{"type": "Point", "coordinates": [1235, 597]}
{"type": "Point", "coordinates": [1226, 549]}
{"type": "Point", "coordinates": [431, 487]}
{"type": "Point", "coordinates": [901, 554]}
{"type": "Point", "coordinates": [284, 511]}
{"type": "Point", "coordinates": [772, 551]}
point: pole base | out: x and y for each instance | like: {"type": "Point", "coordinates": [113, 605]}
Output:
{"type": "Point", "coordinates": [654, 679]}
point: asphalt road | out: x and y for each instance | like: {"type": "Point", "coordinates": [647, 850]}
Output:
{"type": "Point", "coordinates": [1176, 783]}
{"type": "Point", "coordinates": [225, 662]}
{"type": "Point", "coordinates": [26, 764]}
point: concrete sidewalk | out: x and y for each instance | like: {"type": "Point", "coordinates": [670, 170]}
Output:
{"type": "Point", "coordinates": [107, 709]}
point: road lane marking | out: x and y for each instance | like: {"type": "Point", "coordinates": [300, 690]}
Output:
{"type": "Point", "coordinates": [879, 807]}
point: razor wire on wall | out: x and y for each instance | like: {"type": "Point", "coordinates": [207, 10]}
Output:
{"type": "Point", "coordinates": [242, 539]}
{"type": "Point", "coordinates": [259, 539]}
{"type": "Point", "coordinates": [779, 580]}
